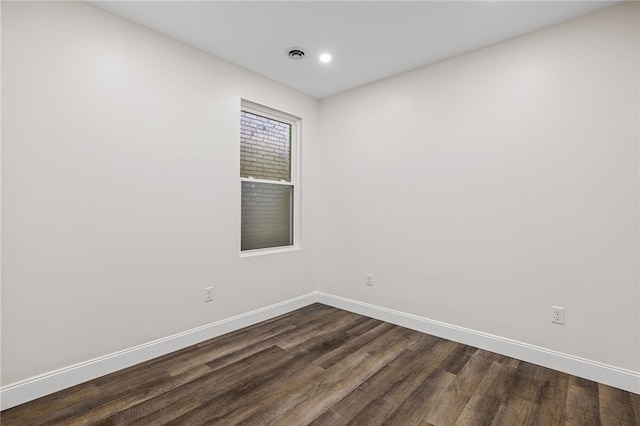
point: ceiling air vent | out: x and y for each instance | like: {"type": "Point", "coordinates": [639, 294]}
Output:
{"type": "Point", "coordinates": [297, 54]}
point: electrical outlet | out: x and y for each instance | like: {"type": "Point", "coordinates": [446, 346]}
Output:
{"type": "Point", "coordinates": [208, 294]}
{"type": "Point", "coordinates": [557, 315]}
{"type": "Point", "coordinates": [369, 281]}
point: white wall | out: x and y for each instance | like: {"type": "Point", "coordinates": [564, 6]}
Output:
{"type": "Point", "coordinates": [484, 189]}
{"type": "Point", "coordinates": [479, 191]}
{"type": "Point", "coordinates": [120, 185]}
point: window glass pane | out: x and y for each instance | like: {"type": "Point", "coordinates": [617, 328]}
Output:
{"type": "Point", "coordinates": [265, 148]}
{"type": "Point", "coordinates": [266, 215]}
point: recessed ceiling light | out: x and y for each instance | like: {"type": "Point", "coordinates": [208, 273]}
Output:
{"type": "Point", "coordinates": [325, 58]}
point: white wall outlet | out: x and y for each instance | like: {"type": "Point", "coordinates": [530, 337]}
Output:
{"type": "Point", "coordinates": [369, 280]}
{"type": "Point", "coordinates": [557, 315]}
{"type": "Point", "coordinates": [208, 294]}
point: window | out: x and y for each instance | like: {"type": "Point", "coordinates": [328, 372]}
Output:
{"type": "Point", "coordinates": [268, 173]}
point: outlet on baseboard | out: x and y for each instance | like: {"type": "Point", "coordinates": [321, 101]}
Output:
{"type": "Point", "coordinates": [369, 280]}
{"type": "Point", "coordinates": [557, 315]}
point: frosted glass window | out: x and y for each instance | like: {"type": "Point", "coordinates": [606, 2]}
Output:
{"type": "Point", "coordinates": [266, 215]}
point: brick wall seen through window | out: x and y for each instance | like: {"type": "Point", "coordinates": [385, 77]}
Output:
{"type": "Point", "coordinates": [265, 149]}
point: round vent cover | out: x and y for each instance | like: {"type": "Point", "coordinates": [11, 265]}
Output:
{"type": "Point", "coordinates": [297, 54]}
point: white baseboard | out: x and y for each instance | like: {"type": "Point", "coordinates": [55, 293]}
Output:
{"type": "Point", "coordinates": [587, 369]}
{"type": "Point", "coordinates": [45, 384]}
{"type": "Point", "coordinates": [54, 381]}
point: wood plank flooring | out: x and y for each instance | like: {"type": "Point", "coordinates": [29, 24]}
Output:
{"type": "Point", "coordinates": [324, 366]}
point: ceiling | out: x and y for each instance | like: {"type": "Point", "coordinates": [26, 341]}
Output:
{"type": "Point", "coordinates": [368, 40]}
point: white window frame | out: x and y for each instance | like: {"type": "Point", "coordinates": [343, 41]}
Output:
{"type": "Point", "coordinates": [296, 124]}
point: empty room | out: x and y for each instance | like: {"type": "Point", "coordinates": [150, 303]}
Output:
{"type": "Point", "coordinates": [320, 212]}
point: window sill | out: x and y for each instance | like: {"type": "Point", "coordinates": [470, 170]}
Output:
{"type": "Point", "coordinates": [262, 252]}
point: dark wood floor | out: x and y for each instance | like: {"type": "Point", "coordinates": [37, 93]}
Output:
{"type": "Point", "coordinates": [324, 366]}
